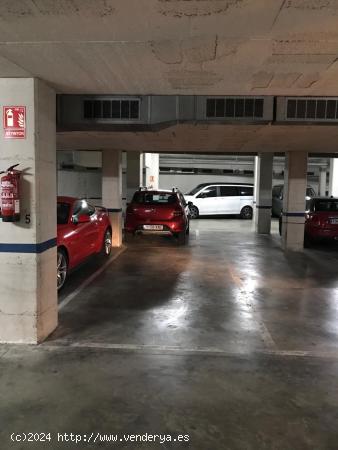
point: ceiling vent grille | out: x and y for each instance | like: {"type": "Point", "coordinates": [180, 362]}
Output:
{"type": "Point", "coordinates": [111, 109]}
{"type": "Point", "coordinates": [312, 109]}
{"type": "Point", "coordinates": [234, 108]}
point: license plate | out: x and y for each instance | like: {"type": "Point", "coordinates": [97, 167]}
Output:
{"type": "Point", "coordinates": [334, 221]}
{"type": "Point", "coordinates": [153, 227]}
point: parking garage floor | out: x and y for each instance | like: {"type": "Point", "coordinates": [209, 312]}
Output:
{"type": "Point", "coordinates": [227, 340]}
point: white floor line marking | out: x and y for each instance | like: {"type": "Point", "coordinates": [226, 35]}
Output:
{"type": "Point", "coordinates": [4, 353]}
{"type": "Point", "coordinates": [162, 349]}
{"type": "Point", "coordinates": [89, 280]}
{"type": "Point", "coordinates": [263, 329]}
{"type": "Point", "coordinates": [266, 336]}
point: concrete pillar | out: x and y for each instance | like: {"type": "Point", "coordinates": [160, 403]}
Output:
{"type": "Point", "coordinates": [152, 166]}
{"type": "Point", "coordinates": [264, 193]}
{"type": "Point", "coordinates": [322, 182]}
{"type": "Point", "coordinates": [134, 173]}
{"type": "Point", "coordinates": [28, 289]}
{"type": "Point", "coordinates": [295, 182]}
{"type": "Point", "coordinates": [112, 191]}
{"type": "Point", "coordinates": [255, 187]}
{"type": "Point", "coordinates": [124, 183]}
{"type": "Point", "coordinates": [333, 182]}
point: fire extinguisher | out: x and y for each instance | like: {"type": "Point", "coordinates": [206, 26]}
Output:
{"type": "Point", "coordinates": [10, 194]}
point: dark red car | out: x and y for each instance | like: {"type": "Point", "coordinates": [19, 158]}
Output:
{"type": "Point", "coordinates": [160, 212]}
{"type": "Point", "coordinates": [82, 230]}
{"type": "Point", "coordinates": [321, 219]}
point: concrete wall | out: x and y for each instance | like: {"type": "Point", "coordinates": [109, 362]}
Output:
{"type": "Point", "coordinates": [186, 182]}
{"type": "Point", "coordinates": [88, 184]}
{"type": "Point", "coordinates": [80, 184]}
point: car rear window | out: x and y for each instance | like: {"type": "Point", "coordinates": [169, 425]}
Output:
{"type": "Point", "coordinates": [154, 198]}
{"type": "Point", "coordinates": [62, 213]}
{"type": "Point", "coordinates": [326, 205]}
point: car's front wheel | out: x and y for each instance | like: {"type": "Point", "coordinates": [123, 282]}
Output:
{"type": "Point", "coordinates": [246, 213]}
{"type": "Point", "coordinates": [194, 212]}
{"type": "Point", "coordinates": [62, 268]}
{"type": "Point", "coordinates": [107, 243]}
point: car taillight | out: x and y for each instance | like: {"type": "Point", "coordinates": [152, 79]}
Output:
{"type": "Point", "coordinates": [315, 220]}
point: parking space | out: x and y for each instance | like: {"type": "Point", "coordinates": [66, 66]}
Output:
{"type": "Point", "coordinates": [228, 290]}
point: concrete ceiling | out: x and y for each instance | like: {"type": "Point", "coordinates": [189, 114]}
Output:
{"type": "Point", "coordinates": [278, 47]}
{"type": "Point", "coordinates": [209, 139]}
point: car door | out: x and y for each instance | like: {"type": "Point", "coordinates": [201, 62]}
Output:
{"type": "Point", "coordinates": [85, 234]}
{"type": "Point", "coordinates": [229, 200]}
{"type": "Point", "coordinates": [207, 200]}
{"type": "Point", "coordinates": [184, 204]}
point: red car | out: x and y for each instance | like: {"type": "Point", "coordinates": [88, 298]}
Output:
{"type": "Point", "coordinates": [321, 219]}
{"type": "Point", "coordinates": [159, 212]}
{"type": "Point", "coordinates": [82, 230]}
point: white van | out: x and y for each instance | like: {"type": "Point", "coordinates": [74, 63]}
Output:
{"type": "Point", "coordinates": [221, 198]}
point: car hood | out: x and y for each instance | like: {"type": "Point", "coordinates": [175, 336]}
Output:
{"type": "Point", "coordinates": [189, 198]}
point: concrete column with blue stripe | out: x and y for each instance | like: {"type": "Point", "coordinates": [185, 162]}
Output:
{"type": "Point", "coordinates": [263, 193]}
{"type": "Point", "coordinates": [112, 191]}
{"type": "Point", "coordinates": [295, 182]}
{"type": "Point", "coordinates": [134, 173]}
{"type": "Point", "coordinates": [28, 291]}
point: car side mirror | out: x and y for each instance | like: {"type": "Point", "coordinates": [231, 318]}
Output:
{"type": "Point", "coordinates": [82, 218]}
{"type": "Point", "coordinates": [201, 196]}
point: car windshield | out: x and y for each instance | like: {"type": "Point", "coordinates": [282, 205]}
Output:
{"type": "Point", "coordinates": [195, 190]}
{"type": "Point", "coordinates": [154, 198]}
{"type": "Point", "coordinates": [326, 205]}
{"type": "Point", "coordinates": [62, 213]}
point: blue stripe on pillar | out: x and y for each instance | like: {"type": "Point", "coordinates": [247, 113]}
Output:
{"type": "Point", "coordinates": [28, 248]}
{"type": "Point", "coordinates": [294, 214]}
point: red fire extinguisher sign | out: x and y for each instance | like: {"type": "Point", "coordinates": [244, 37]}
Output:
{"type": "Point", "coordinates": [14, 120]}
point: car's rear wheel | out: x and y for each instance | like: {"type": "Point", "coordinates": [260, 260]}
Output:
{"type": "Point", "coordinates": [194, 212]}
{"type": "Point", "coordinates": [107, 243]}
{"type": "Point", "coordinates": [182, 238]}
{"type": "Point", "coordinates": [246, 213]}
{"type": "Point", "coordinates": [62, 268]}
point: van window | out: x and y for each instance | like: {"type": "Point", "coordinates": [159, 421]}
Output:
{"type": "Point", "coordinates": [195, 190]}
{"type": "Point", "coordinates": [209, 192]}
{"type": "Point", "coordinates": [229, 191]}
{"type": "Point", "coordinates": [245, 190]}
